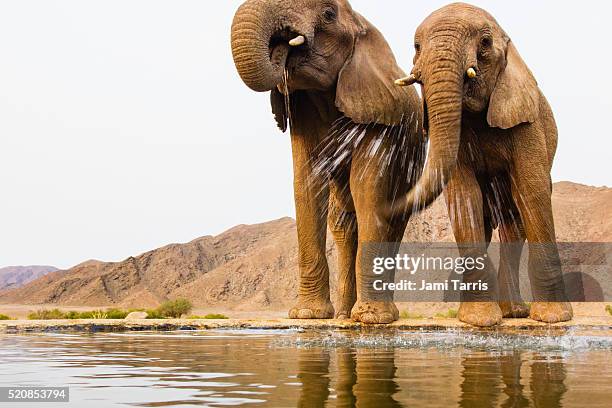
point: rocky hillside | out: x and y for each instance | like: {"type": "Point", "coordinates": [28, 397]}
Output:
{"type": "Point", "coordinates": [16, 276]}
{"type": "Point", "coordinates": [582, 213]}
{"type": "Point", "coordinates": [255, 267]}
{"type": "Point", "coordinates": [230, 267]}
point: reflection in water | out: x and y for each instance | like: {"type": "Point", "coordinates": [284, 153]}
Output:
{"type": "Point", "coordinates": [485, 378]}
{"type": "Point", "coordinates": [376, 384]}
{"type": "Point", "coordinates": [366, 378]}
{"type": "Point", "coordinates": [222, 368]}
{"type": "Point", "coordinates": [511, 375]}
{"type": "Point", "coordinates": [346, 381]}
{"type": "Point", "coordinates": [313, 371]}
{"type": "Point", "coordinates": [548, 382]}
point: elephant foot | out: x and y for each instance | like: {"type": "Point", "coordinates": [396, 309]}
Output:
{"type": "Point", "coordinates": [343, 315]}
{"type": "Point", "coordinates": [551, 312]}
{"type": "Point", "coordinates": [344, 308]}
{"type": "Point", "coordinates": [312, 309]}
{"type": "Point", "coordinates": [517, 310]}
{"type": "Point", "coordinates": [482, 314]}
{"type": "Point", "coordinates": [374, 312]}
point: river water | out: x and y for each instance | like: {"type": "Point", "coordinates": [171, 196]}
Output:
{"type": "Point", "coordinates": [287, 368]}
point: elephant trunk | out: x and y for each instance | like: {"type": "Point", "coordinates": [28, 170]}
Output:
{"type": "Point", "coordinates": [443, 92]}
{"type": "Point", "coordinates": [252, 29]}
{"type": "Point", "coordinates": [262, 34]}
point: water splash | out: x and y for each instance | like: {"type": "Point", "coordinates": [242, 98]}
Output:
{"type": "Point", "coordinates": [391, 154]}
{"type": "Point", "coordinates": [287, 97]}
{"type": "Point", "coordinates": [451, 339]}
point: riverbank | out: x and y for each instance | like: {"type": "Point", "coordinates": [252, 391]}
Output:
{"type": "Point", "coordinates": [602, 325]}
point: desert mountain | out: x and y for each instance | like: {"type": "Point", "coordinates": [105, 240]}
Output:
{"type": "Point", "coordinates": [255, 266]}
{"type": "Point", "coordinates": [16, 276]}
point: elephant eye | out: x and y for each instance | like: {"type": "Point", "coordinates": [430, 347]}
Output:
{"type": "Point", "coordinates": [329, 15]}
{"type": "Point", "coordinates": [417, 47]}
{"type": "Point", "coordinates": [486, 42]}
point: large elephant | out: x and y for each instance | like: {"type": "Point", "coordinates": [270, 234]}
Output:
{"type": "Point", "coordinates": [330, 75]}
{"type": "Point", "coordinates": [492, 142]}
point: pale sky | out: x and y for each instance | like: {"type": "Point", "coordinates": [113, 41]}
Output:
{"type": "Point", "coordinates": [124, 126]}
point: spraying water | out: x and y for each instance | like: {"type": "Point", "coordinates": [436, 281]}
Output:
{"type": "Point", "coordinates": [389, 150]}
{"type": "Point", "coordinates": [286, 97]}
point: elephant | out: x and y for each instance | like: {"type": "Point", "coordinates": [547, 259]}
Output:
{"type": "Point", "coordinates": [330, 75]}
{"type": "Point", "coordinates": [493, 139]}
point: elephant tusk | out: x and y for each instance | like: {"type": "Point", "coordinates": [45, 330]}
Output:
{"type": "Point", "coordinates": [471, 73]}
{"type": "Point", "coordinates": [297, 41]}
{"type": "Point", "coordinates": [407, 81]}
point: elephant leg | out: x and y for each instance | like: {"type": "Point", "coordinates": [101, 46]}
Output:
{"type": "Point", "coordinates": [314, 375]}
{"type": "Point", "coordinates": [379, 234]}
{"type": "Point", "coordinates": [472, 230]}
{"type": "Point", "coordinates": [346, 378]}
{"type": "Point", "coordinates": [511, 376]}
{"type": "Point", "coordinates": [512, 239]}
{"type": "Point", "coordinates": [342, 222]}
{"type": "Point", "coordinates": [531, 191]}
{"type": "Point", "coordinates": [481, 382]}
{"type": "Point", "coordinates": [376, 379]}
{"type": "Point", "coordinates": [311, 205]}
{"type": "Point", "coordinates": [547, 382]}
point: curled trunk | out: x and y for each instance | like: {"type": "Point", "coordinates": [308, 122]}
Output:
{"type": "Point", "coordinates": [253, 26]}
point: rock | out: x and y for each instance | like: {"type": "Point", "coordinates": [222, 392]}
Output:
{"type": "Point", "coordinates": [136, 316]}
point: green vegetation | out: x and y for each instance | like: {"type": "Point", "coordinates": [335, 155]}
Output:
{"type": "Point", "coordinates": [4, 317]}
{"type": "Point", "coordinates": [98, 314]}
{"type": "Point", "coordinates": [43, 314]}
{"type": "Point", "coordinates": [55, 314]}
{"type": "Point", "coordinates": [609, 309]}
{"type": "Point", "coordinates": [175, 308]}
{"type": "Point", "coordinates": [117, 313]}
{"type": "Point", "coordinates": [94, 314]}
{"type": "Point", "coordinates": [154, 314]}
{"type": "Point", "coordinates": [450, 314]}
{"type": "Point", "coordinates": [211, 316]}
{"type": "Point", "coordinates": [405, 314]}
{"type": "Point", "coordinates": [170, 309]}
{"type": "Point", "coordinates": [214, 316]}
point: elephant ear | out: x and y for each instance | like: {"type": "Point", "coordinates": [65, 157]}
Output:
{"type": "Point", "coordinates": [366, 92]}
{"type": "Point", "coordinates": [277, 100]}
{"type": "Point", "coordinates": [516, 97]}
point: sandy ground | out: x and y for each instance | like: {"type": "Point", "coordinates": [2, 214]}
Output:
{"type": "Point", "coordinates": [423, 309]}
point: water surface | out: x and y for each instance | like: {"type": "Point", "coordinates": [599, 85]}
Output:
{"type": "Point", "coordinates": [291, 368]}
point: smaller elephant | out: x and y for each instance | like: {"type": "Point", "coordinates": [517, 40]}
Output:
{"type": "Point", "coordinates": [493, 138]}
